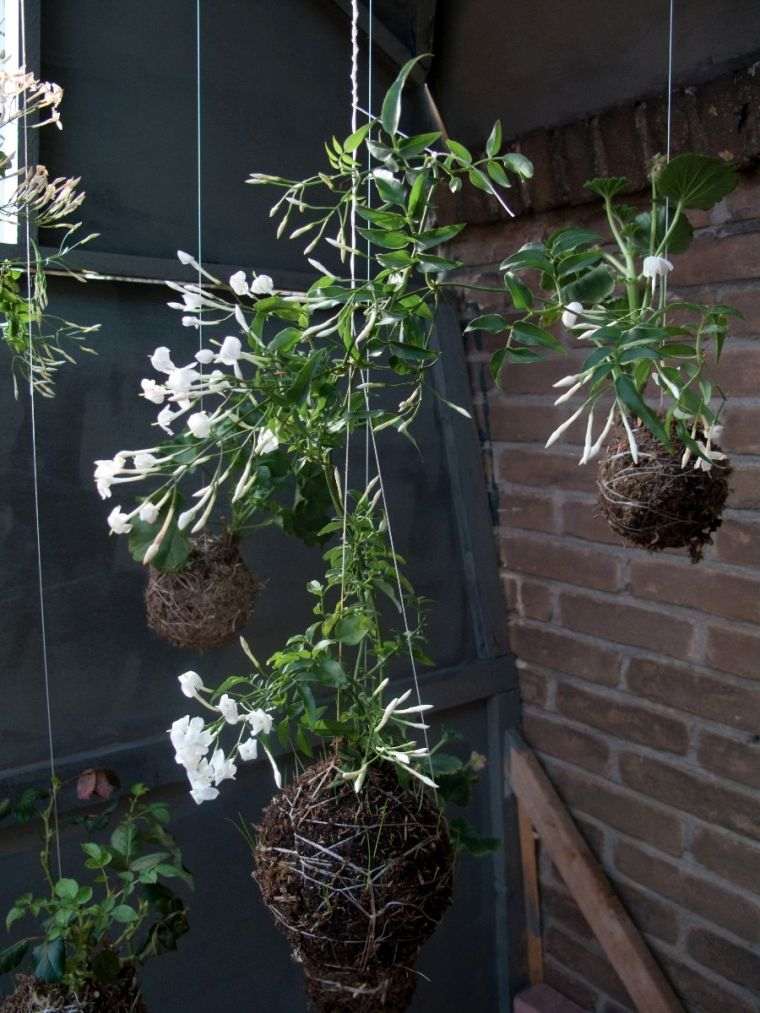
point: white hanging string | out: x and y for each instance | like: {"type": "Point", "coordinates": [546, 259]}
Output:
{"type": "Point", "coordinates": [35, 468]}
{"type": "Point", "coordinates": [370, 431]}
{"type": "Point", "coordinates": [199, 163]}
{"type": "Point", "coordinates": [668, 132]}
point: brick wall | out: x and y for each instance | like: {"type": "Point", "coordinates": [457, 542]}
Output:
{"type": "Point", "coordinates": [640, 674]}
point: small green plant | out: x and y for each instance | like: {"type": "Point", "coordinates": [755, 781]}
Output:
{"type": "Point", "coordinates": [118, 912]}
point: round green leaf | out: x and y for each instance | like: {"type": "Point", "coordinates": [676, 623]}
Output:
{"type": "Point", "coordinates": [696, 181]}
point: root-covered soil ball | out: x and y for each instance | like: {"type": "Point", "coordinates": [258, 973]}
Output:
{"type": "Point", "coordinates": [356, 882]}
{"type": "Point", "coordinates": [656, 504]}
{"type": "Point", "coordinates": [208, 601]}
{"type": "Point", "coordinates": [32, 996]}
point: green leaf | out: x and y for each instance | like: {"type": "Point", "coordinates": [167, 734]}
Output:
{"type": "Point", "coordinates": [491, 322]}
{"type": "Point", "coordinates": [459, 151]}
{"type": "Point", "coordinates": [50, 957]}
{"type": "Point", "coordinates": [387, 239]}
{"type": "Point", "coordinates": [465, 838]}
{"type": "Point", "coordinates": [417, 194]}
{"type": "Point", "coordinates": [390, 114]}
{"type": "Point", "coordinates": [520, 294]}
{"type": "Point", "coordinates": [696, 181]}
{"type": "Point", "coordinates": [12, 956]}
{"type": "Point", "coordinates": [533, 255]}
{"type": "Point", "coordinates": [286, 339]}
{"type": "Point", "coordinates": [680, 237]}
{"type": "Point", "coordinates": [518, 164]}
{"type": "Point", "coordinates": [353, 141]}
{"type": "Point", "coordinates": [530, 334]}
{"type": "Point", "coordinates": [566, 240]}
{"type": "Point", "coordinates": [413, 146]}
{"type": "Point", "coordinates": [392, 191]}
{"type": "Point", "coordinates": [497, 173]}
{"type": "Point", "coordinates": [435, 265]}
{"type": "Point", "coordinates": [629, 395]}
{"type": "Point", "coordinates": [480, 180]}
{"type": "Point", "coordinates": [123, 839]}
{"type": "Point", "coordinates": [573, 263]}
{"type": "Point", "coordinates": [66, 889]}
{"type": "Point", "coordinates": [383, 219]}
{"type": "Point", "coordinates": [434, 237]}
{"type": "Point", "coordinates": [124, 913]}
{"type": "Point", "coordinates": [607, 187]}
{"type": "Point", "coordinates": [352, 629]}
{"type": "Point", "coordinates": [175, 547]}
{"type": "Point", "coordinates": [591, 288]}
{"type": "Point", "coordinates": [493, 144]}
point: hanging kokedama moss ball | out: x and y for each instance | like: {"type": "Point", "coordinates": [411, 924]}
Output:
{"type": "Point", "coordinates": [208, 601]}
{"type": "Point", "coordinates": [33, 996]}
{"type": "Point", "coordinates": [657, 504]}
{"type": "Point", "coordinates": [356, 882]}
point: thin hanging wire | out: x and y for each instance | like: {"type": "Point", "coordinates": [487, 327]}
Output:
{"type": "Point", "coordinates": [199, 164]}
{"type": "Point", "coordinates": [35, 467]}
{"type": "Point", "coordinates": [370, 81]}
{"type": "Point", "coordinates": [668, 132]}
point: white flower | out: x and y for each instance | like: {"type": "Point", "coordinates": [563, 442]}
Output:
{"type": "Point", "coordinates": [118, 522]}
{"type": "Point", "coordinates": [588, 333]}
{"type": "Point", "coordinates": [222, 767]}
{"type": "Point", "coordinates": [390, 708]}
{"type": "Point", "coordinates": [148, 513]}
{"type": "Point", "coordinates": [191, 684]}
{"type": "Point", "coordinates": [262, 284]}
{"type": "Point", "coordinates": [396, 279]}
{"type": "Point", "coordinates": [705, 463]}
{"type": "Point", "coordinates": [191, 740]}
{"type": "Point", "coordinates": [165, 418]}
{"type": "Point", "coordinates": [384, 175]}
{"type": "Point", "coordinates": [105, 473]}
{"type": "Point", "coordinates": [230, 351]}
{"type": "Point", "coordinates": [570, 316]}
{"type": "Point", "coordinates": [204, 356]}
{"type": "Point", "coordinates": [565, 425]}
{"type": "Point", "coordinates": [190, 322]}
{"type": "Point", "coordinates": [260, 722]}
{"type": "Point", "coordinates": [187, 259]}
{"type": "Point", "coordinates": [199, 425]}
{"type": "Point", "coordinates": [228, 708]}
{"type": "Point", "coordinates": [153, 391]}
{"type": "Point", "coordinates": [569, 393]}
{"type": "Point", "coordinates": [238, 284]}
{"type": "Point", "coordinates": [248, 750]}
{"type": "Point", "coordinates": [656, 267]}
{"type": "Point", "coordinates": [180, 381]}
{"type": "Point", "coordinates": [161, 360]}
{"type": "Point", "coordinates": [144, 460]}
{"type": "Point", "coordinates": [713, 432]}
{"type": "Point", "coordinates": [204, 793]}
{"type": "Point", "coordinates": [266, 442]}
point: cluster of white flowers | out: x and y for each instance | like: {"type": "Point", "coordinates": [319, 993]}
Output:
{"type": "Point", "coordinates": [710, 433]}
{"type": "Point", "coordinates": [196, 745]}
{"type": "Point", "coordinates": [38, 95]}
{"type": "Point", "coordinates": [50, 200]}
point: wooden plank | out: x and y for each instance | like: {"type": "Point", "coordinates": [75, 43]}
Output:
{"type": "Point", "coordinates": [534, 943]}
{"type": "Point", "coordinates": [610, 922]}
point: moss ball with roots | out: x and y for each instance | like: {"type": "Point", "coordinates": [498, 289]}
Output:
{"type": "Point", "coordinates": [33, 996]}
{"type": "Point", "coordinates": [356, 882]}
{"type": "Point", "coordinates": [656, 504]}
{"type": "Point", "coordinates": [208, 601]}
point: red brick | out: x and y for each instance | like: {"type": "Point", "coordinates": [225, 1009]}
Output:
{"type": "Point", "coordinates": [521, 508]}
{"type": "Point", "coordinates": [653, 916]}
{"type": "Point", "coordinates": [707, 696]}
{"type": "Point", "coordinates": [714, 260]}
{"type": "Point", "coordinates": [557, 560]}
{"type": "Point", "coordinates": [558, 905]}
{"type": "Point", "coordinates": [705, 588]}
{"type": "Point", "coordinates": [582, 519]}
{"type": "Point", "coordinates": [687, 790]}
{"type": "Point", "coordinates": [626, 623]}
{"type": "Point", "coordinates": [734, 860]}
{"type": "Point", "coordinates": [701, 993]}
{"type": "Point", "coordinates": [538, 377]}
{"type": "Point", "coordinates": [739, 761]}
{"type": "Point", "coordinates": [569, 744]}
{"type": "Point", "coordinates": [744, 298]}
{"type": "Point", "coordinates": [733, 650]}
{"type": "Point", "coordinates": [569, 984]}
{"type": "Point", "coordinates": [531, 422]}
{"type": "Point", "coordinates": [534, 684]}
{"type": "Point", "coordinates": [726, 958]}
{"type": "Point", "coordinates": [619, 808]}
{"type": "Point", "coordinates": [545, 468]}
{"type": "Point", "coordinates": [590, 965]}
{"type": "Point", "coordinates": [722, 907]}
{"type": "Point", "coordinates": [742, 435]}
{"type": "Point", "coordinates": [550, 647]}
{"type": "Point", "coordinates": [528, 599]}
{"type": "Point", "coordinates": [543, 999]}
{"type": "Point", "coordinates": [745, 487]}
{"type": "Point", "coordinates": [626, 721]}
{"type": "Point", "coordinates": [738, 542]}
{"type": "Point", "coordinates": [738, 371]}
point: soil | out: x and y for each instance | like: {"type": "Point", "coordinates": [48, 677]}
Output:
{"type": "Point", "coordinates": [32, 996]}
{"type": "Point", "coordinates": [356, 883]}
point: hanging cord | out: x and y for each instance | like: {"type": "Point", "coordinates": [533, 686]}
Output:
{"type": "Point", "coordinates": [370, 82]}
{"type": "Point", "coordinates": [199, 164]}
{"type": "Point", "coordinates": [668, 131]}
{"type": "Point", "coordinates": [35, 468]}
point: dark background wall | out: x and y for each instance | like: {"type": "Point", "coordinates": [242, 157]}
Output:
{"type": "Point", "coordinates": [275, 85]}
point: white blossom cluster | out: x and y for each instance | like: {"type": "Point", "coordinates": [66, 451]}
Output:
{"type": "Point", "coordinates": [196, 744]}
{"type": "Point", "coordinates": [37, 95]}
{"type": "Point", "coordinates": [52, 201]}
{"type": "Point", "coordinates": [181, 391]}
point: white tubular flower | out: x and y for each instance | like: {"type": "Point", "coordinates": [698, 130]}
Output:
{"type": "Point", "coordinates": [260, 722]}
{"type": "Point", "coordinates": [199, 425]}
{"type": "Point", "coordinates": [705, 463]}
{"type": "Point", "coordinates": [118, 522]}
{"type": "Point", "coordinates": [238, 284]}
{"type": "Point", "coordinates": [569, 393]}
{"type": "Point", "coordinates": [204, 356]}
{"type": "Point", "coordinates": [654, 268]}
{"type": "Point", "coordinates": [275, 768]}
{"type": "Point", "coordinates": [190, 322]}
{"type": "Point", "coordinates": [568, 381]}
{"type": "Point", "coordinates": [230, 351]}
{"type": "Point", "coordinates": [180, 382]}
{"type": "Point", "coordinates": [713, 432]}
{"type": "Point", "coordinates": [190, 739]}
{"type": "Point", "coordinates": [685, 457]}
{"type": "Point", "coordinates": [570, 315]}
{"type": "Point", "coordinates": [204, 793]}
{"type": "Point", "coordinates": [144, 461]}
{"type": "Point", "coordinates": [105, 473]}
{"type": "Point", "coordinates": [222, 767]}
{"type": "Point", "coordinates": [161, 360]}
{"type": "Point", "coordinates": [165, 418]}
{"type": "Point", "coordinates": [565, 426]}
{"type": "Point", "coordinates": [361, 778]}
{"type": "Point", "coordinates": [632, 444]}
{"type": "Point", "coordinates": [191, 684]}
{"type": "Point", "coordinates": [248, 750]}
{"type": "Point", "coordinates": [602, 436]}
{"type": "Point", "coordinates": [390, 708]}
{"type": "Point", "coordinates": [587, 441]}
{"type": "Point", "coordinates": [228, 708]}
{"type": "Point", "coordinates": [380, 687]}
{"type": "Point", "coordinates": [148, 513]}
{"type": "Point", "coordinates": [266, 442]}
{"type": "Point", "coordinates": [240, 317]}
{"type": "Point", "coordinates": [419, 709]}
{"type": "Point", "coordinates": [590, 332]}
{"type": "Point", "coordinates": [153, 391]}
{"type": "Point", "coordinates": [187, 259]}
{"type": "Point", "coordinates": [262, 284]}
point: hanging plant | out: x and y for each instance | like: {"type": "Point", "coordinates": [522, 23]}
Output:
{"type": "Point", "coordinates": [354, 858]}
{"type": "Point", "coordinates": [95, 931]}
{"type": "Point", "coordinates": [642, 390]}
{"type": "Point", "coordinates": [30, 200]}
